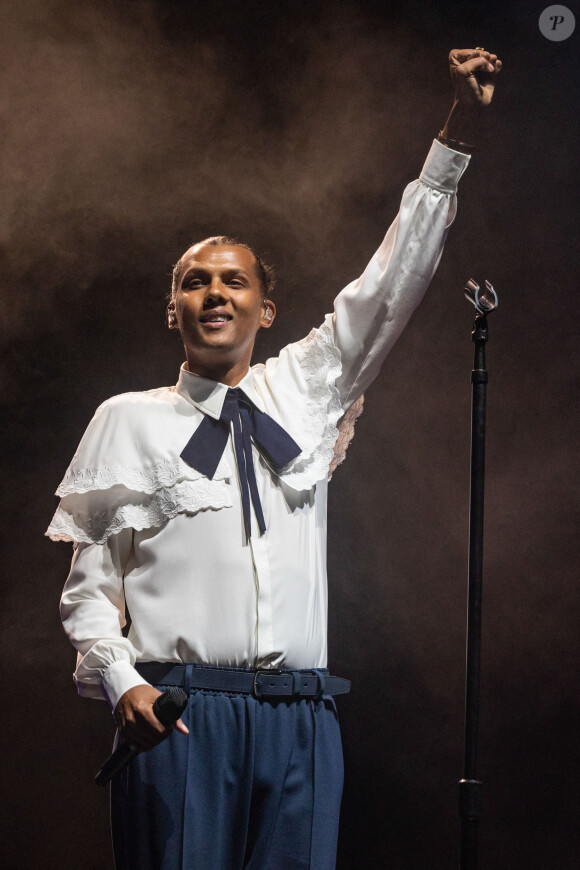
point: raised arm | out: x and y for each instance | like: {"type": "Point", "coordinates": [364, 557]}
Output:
{"type": "Point", "coordinates": [371, 312]}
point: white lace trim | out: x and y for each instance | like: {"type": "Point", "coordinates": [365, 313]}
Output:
{"type": "Point", "coordinates": [153, 511]}
{"type": "Point", "coordinates": [143, 478]}
{"type": "Point", "coordinates": [157, 491]}
{"type": "Point", "coordinates": [320, 360]}
{"type": "Point", "coordinates": [345, 434]}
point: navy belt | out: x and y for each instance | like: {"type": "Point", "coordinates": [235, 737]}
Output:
{"type": "Point", "coordinates": [261, 683]}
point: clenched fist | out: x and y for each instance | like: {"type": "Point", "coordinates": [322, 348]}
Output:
{"type": "Point", "coordinates": [473, 73]}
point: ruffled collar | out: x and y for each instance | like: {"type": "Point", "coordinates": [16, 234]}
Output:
{"type": "Point", "coordinates": [128, 472]}
{"type": "Point", "coordinates": [209, 396]}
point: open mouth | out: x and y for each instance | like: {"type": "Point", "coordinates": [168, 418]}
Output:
{"type": "Point", "coordinates": [215, 317]}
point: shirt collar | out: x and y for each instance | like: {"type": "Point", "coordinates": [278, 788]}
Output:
{"type": "Point", "coordinates": [209, 396]}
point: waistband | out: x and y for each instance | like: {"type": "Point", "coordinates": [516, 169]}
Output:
{"type": "Point", "coordinates": [261, 683]}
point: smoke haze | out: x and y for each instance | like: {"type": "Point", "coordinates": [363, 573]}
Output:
{"type": "Point", "coordinates": [130, 130]}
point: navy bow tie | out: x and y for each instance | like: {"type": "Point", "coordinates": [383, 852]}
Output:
{"type": "Point", "coordinates": [204, 449]}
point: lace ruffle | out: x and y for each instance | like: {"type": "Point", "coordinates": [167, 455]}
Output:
{"type": "Point", "coordinates": [319, 359]}
{"type": "Point", "coordinates": [73, 522]}
{"type": "Point", "coordinates": [145, 478]}
{"type": "Point", "coordinates": [345, 434]}
{"type": "Point", "coordinates": [127, 472]}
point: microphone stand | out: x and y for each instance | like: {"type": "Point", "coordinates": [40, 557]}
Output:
{"type": "Point", "coordinates": [470, 786]}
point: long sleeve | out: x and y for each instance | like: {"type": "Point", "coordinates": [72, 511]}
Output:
{"type": "Point", "coordinates": [92, 610]}
{"type": "Point", "coordinates": [193, 598]}
{"type": "Point", "coordinates": [371, 312]}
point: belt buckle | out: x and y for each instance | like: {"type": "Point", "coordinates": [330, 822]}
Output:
{"type": "Point", "coordinates": [268, 671]}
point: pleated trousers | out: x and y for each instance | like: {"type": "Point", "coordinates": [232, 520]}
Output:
{"type": "Point", "coordinates": [256, 785]}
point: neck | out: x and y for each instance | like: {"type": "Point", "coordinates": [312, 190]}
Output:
{"type": "Point", "coordinates": [230, 375]}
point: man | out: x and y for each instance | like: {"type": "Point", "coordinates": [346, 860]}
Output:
{"type": "Point", "coordinates": [202, 507]}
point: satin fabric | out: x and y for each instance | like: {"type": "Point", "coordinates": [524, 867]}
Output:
{"type": "Point", "coordinates": [169, 544]}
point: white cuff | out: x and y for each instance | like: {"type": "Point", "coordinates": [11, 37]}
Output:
{"type": "Point", "coordinates": [444, 167]}
{"type": "Point", "coordinates": [118, 679]}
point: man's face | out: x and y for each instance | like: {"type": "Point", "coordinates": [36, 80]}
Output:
{"type": "Point", "coordinates": [219, 305]}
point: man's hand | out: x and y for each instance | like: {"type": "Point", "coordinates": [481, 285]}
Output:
{"type": "Point", "coordinates": [137, 722]}
{"type": "Point", "coordinates": [473, 73]}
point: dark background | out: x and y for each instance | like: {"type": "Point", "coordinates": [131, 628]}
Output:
{"type": "Point", "coordinates": [129, 130]}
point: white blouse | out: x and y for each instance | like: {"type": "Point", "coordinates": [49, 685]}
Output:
{"type": "Point", "coordinates": [155, 536]}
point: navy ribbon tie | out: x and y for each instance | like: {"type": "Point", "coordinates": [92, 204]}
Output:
{"type": "Point", "coordinates": [204, 449]}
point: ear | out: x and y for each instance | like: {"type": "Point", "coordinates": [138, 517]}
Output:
{"type": "Point", "coordinates": [171, 316]}
{"type": "Point", "coordinates": [269, 313]}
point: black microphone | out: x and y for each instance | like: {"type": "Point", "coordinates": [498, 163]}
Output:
{"type": "Point", "coordinates": [168, 707]}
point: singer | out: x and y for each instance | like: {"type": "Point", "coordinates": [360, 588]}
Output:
{"type": "Point", "coordinates": [201, 510]}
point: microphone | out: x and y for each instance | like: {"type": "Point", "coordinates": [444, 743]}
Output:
{"type": "Point", "coordinates": [168, 707]}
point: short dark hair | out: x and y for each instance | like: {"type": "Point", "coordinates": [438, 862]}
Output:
{"type": "Point", "coordinates": [265, 273]}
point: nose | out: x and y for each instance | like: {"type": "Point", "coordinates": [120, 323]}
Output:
{"type": "Point", "coordinates": [216, 293]}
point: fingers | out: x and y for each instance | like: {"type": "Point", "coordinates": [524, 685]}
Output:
{"type": "Point", "coordinates": [473, 74]}
{"type": "Point", "coordinates": [476, 64]}
{"type": "Point", "coordinates": [136, 721]}
{"type": "Point", "coordinates": [459, 56]}
{"type": "Point", "coordinates": [142, 728]}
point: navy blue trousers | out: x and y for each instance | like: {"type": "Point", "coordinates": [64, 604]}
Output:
{"type": "Point", "coordinates": [256, 785]}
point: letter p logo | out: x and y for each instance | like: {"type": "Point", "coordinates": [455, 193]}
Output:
{"type": "Point", "coordinates": [557, 23]}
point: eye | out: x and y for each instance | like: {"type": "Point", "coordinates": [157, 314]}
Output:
{"type": "Point", "coordinates": [193, 283]}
